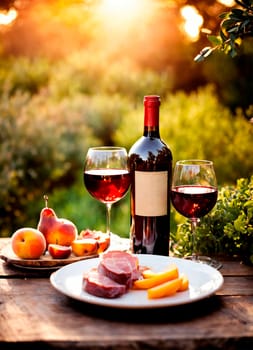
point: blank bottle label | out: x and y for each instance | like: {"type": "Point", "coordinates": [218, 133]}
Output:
{"type": "Point", "coordinates": [151, 193]}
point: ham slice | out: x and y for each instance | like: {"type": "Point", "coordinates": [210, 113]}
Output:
{"type": "Point", "coordinates": [121, 267]}
{"type": "Point", "coordinates": [114, 275]}
{"type": "Point", "coordinates": [101, 286]}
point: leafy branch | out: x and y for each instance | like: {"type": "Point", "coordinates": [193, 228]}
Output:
{"type": "Point", "coordinates": [236, 25]}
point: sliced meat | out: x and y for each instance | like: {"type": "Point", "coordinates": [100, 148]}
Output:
{"type": "Point", "coordinates": [101, 286]}
{"type": "Point", "coordinates": [121, 267]}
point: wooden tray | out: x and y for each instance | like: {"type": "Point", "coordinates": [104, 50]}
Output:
{"type": "Point", "coordinates": [45, 262]}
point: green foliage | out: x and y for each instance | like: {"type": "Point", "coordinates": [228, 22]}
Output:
{"type": "Point", "coordinates": [93, 74]}
{"type": "Point", "coordinates": [236, 25]}
{"type": "Point", "coordinates": [23, 74]}
{"type": "Point", "coordinates": [42, 147]}
{"type": "Point", "coordinates": [233, 78]}
{"type": "Point", "coordinates": [133, 120]}
{"type": "Point", "coordinates": [104, 114]}
{"type": "Point", "coordinates": [227, 229]}
{"type": "Point", "coordinates": [45, 132]}
{"type": "Point", "coordinates": [134, 82]}
{"type": "Point", "coordinates": [196, 125]}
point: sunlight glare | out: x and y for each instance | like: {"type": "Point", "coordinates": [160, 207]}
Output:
{"type": "Point", "coordinates": [8, 17]}
{"type": "Point", "coordinates": [120, 9]}
{"type": "Point", "coordinates": [227, 2]}
{"type": "Point", "coordinates": [192, 21]}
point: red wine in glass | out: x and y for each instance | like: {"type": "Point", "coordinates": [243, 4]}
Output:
{"type": "Point", "coordinates": [194, 201]}
{"type": "Point", "coordinates": [107, 185]}
{"type": "Point", "coordinates": [194, 193]}
{"type": "Point", "coordinates": [106, 176]}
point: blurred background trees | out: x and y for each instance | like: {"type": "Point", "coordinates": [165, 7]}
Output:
{"type": "Point", "coordinates": [73, 74]}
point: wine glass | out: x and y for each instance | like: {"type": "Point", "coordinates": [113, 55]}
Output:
{"type": "Point", "coordinates": [194, 193]}
{"type": "Point", "coordinates": [106, 176]}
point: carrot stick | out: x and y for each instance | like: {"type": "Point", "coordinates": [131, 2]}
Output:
{"type": "Point", "coordinates": [157, 278]}
{"type": "Point", "coordinates": [165, 289]}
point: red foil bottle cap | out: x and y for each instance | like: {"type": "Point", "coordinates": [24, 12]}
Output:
{"type": "Point", "coordinates": [151, 100]}
{"type": "Point", "coordinates": [151, 110]}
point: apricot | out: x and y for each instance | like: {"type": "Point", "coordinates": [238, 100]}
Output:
{"type": "Point", "coordinates": [58, 251]}
{"type": "Point", "coordinates": [28, 243]}
{"type": "Point", "coordinates": [104, 242]}
{"type": "Point", "coordinates": [102, 238]}
{"type": "Point", "coordinates": [86, 246]}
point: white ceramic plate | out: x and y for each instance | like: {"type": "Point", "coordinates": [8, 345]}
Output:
{"type": "Point", "coordinates": [204, 281]}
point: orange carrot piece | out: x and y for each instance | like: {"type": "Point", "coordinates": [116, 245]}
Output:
{"type": "Point", "coordinates": [185, 283]}
{"type": "Point", "coordinates": [165, 289]}
{"type": "Point", "coordinates": [157, 278]}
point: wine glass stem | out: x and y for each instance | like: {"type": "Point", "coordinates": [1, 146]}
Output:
{"type": "Point", "coordinates": [108, 218]}
{"type": "Point", "coordinates": [194, 224]}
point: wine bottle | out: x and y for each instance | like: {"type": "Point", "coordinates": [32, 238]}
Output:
{"type": "Point", "coordinates": [150, 164]}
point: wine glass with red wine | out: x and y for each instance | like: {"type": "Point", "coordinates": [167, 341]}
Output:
{"type": "Point", "coordinates": [194, 193]}
{"type": "Point", "coordinates": [106, 176]}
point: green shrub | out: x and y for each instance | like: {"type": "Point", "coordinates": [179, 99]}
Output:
{"type": "Point", "coordinates": [76, 74]}
{"type": "Point", "coordinates": [196, 125]}
{"type": "Point", "coordinates": [44, 142]}
{"type": "Point", "coordinates": [43, 145]}
{"type": "Point", "coordinates": [104, 114]}
{"type": "Point", "coordinates": [227, 229]}
{"type": "Point", "coordinates": [129, 80]}
{"type": "Point", "coordinates": [94, 74]}
{"type": "Point", "coordinates": [23, 74]}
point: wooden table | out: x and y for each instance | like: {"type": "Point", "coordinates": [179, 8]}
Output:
{"type": "Point", "coordinates": [33, 315]}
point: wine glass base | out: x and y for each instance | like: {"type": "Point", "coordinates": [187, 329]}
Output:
{"type": "Point", "coordinates": [205, 260]}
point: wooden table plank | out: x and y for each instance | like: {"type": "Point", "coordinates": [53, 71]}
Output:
{"type": "Point", "coordinates": [40, 312]}
{"type": "Point", "coordinates": [236, 268]}
{"type": "Point", "coordinates": [237, 286]}
{"type": "Point", "coordinates": [33, 315]}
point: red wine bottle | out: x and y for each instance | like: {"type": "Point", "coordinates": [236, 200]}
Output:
{"type": "Point", "coordinates": [150, 163]}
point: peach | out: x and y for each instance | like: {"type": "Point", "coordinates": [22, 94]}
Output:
{"type": "Point", "coordinates": [28, 243]}
{"type": "Point", "coordinates": [102, 238]}
{"type": "Point", "coordinates": [86, 246]}
{"type": "Point", "coordinates": [87, 233]}
{"type": "Point", "coordinates": [104, 242]}
{"type": "Point", "coordinates": [59, 251]}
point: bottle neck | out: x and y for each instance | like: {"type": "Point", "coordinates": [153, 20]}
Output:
{"type": "Point", "coordinates": [151, 116]}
